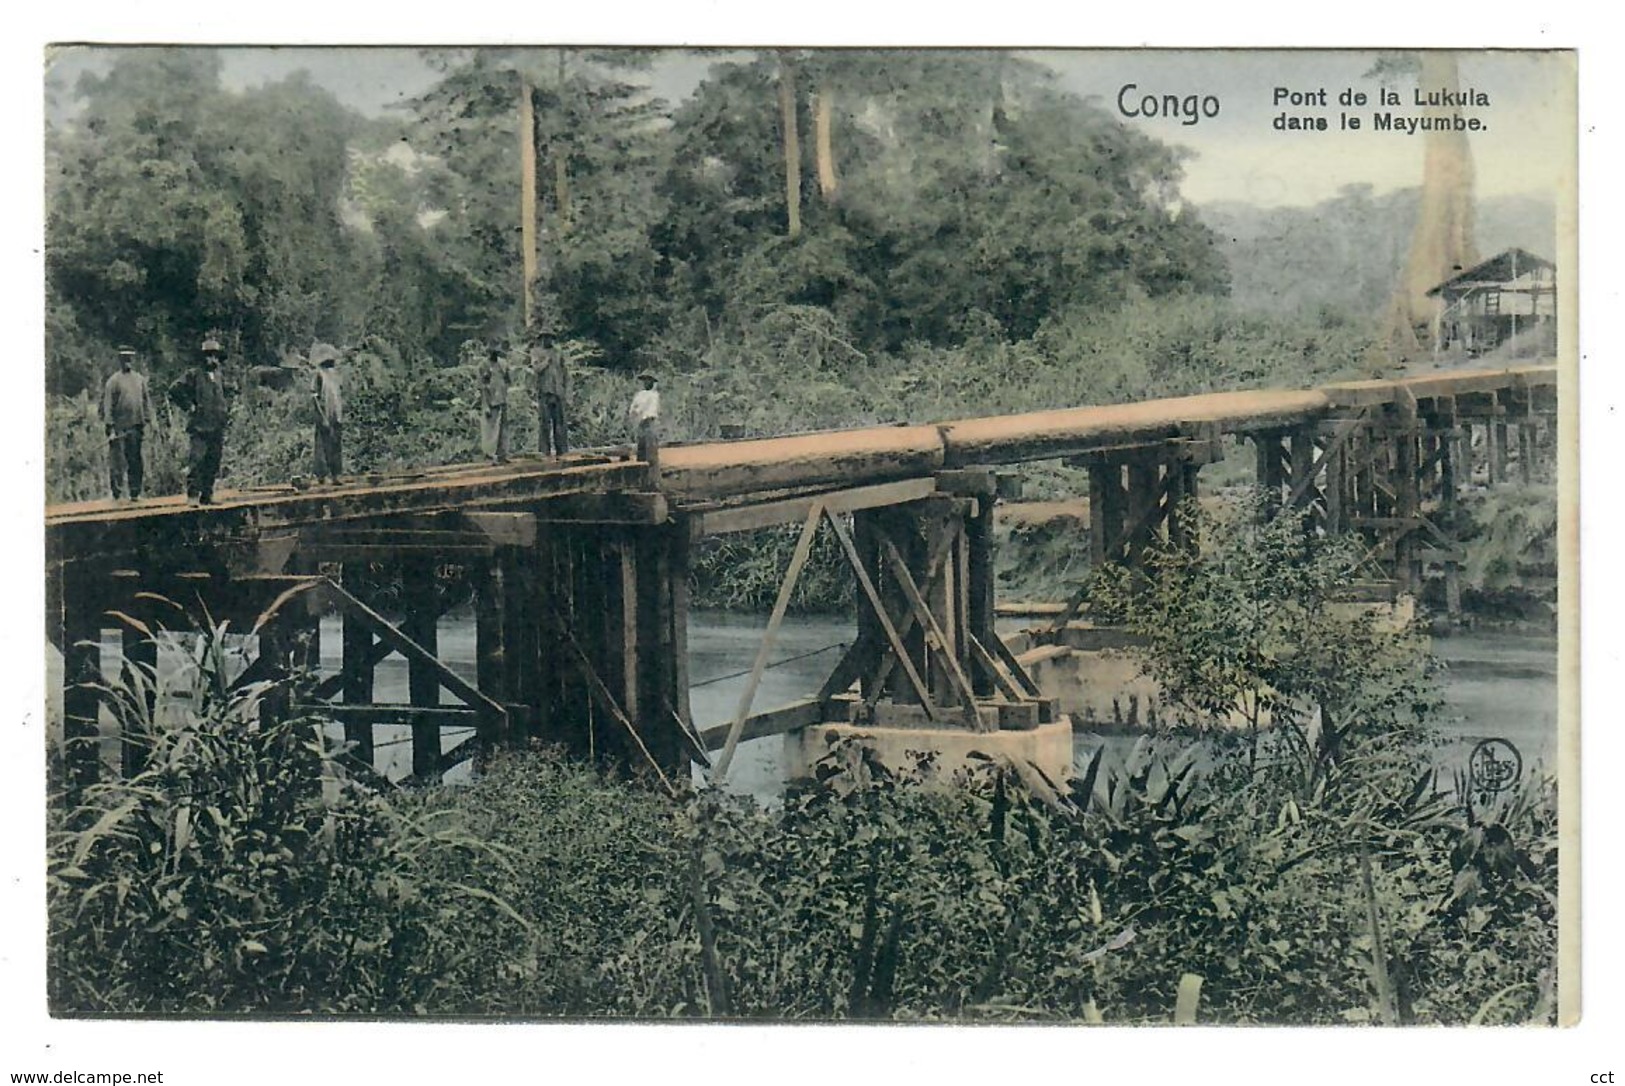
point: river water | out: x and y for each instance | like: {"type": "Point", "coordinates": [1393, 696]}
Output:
{"type": "Point", "coordinates": [1496, 684]}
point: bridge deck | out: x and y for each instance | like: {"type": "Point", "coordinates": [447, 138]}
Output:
{"type": "Point", "coordinates": [730, 469]}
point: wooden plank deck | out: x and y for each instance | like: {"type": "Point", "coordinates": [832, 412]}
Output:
{"type": "Point", "coordinates": [708, 472]}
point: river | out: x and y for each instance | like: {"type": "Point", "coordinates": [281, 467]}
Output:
{"type": "Point", "coordinates": [1496, 684]}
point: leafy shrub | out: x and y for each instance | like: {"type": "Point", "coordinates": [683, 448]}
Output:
{"type": "Point", "coordinates": [244, 870]}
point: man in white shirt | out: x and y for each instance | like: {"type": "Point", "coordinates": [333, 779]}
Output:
{"type": "Point", "coordinates": [643, 419]}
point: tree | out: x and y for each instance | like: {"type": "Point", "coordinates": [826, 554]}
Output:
{"type": "Point", "coordinates": [1249, 627]}
{"type": "Point", "coordinates": [599, 131]}
{"type": "Point", "coordinates": [176, 208]}
{"type": "Point", "coordinates": [1443, 242]}
{"type": "Point", "coordinates": [972, 190]}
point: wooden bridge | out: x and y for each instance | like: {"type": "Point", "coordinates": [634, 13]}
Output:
{"type": "Point", "coordinates": [577, 567]}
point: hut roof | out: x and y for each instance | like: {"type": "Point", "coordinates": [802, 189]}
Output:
{"type": "Point", "coordinates": [1503, 268]}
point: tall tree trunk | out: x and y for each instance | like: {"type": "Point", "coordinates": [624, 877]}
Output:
{"type": "Point", "coordinates": [792, 144]}
{"type": "Point", "coordinates": [527, 195]}
{"type": "Point", "coordinates": [1443, 241]}
{"type": "Point", "coordinates": [823, 123]}
{"type": "Point", "coordinates": [561, 161]}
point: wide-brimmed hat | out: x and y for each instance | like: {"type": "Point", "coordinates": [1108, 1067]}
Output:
{"type": "Point", "coordinates": [646, 376]}
{"type": "Point", "coordinates": [324, 354]}
{"type": "Point", "coordinates": [212, 346]}
{"type": "Point", "coordinates": [126, 349]}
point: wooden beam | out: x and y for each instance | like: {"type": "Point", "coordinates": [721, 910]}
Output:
{"type": "Point", "coordinates": [719, 771]}
{"type": "Point", "coordinates": [1269, 469]}
{"type": "Point", "coordinates": [1306, 478]}
{"type": "Point", "coordinates": [1008, 658]}
{"type": "Point", "coordinates": [389, 553]}
{"type": "Point", "coordinates": [996, 671]}
{"type": "Point", "coordinates": [460, 687]}
{"type": "Point", "coordinates": [357, 660]}
{"type": "Point", "coordinates": [980, 588]}
{"type": "Point", "coordinates": [893, 638]}
{"type": "Point", "coordinates": [81, 703]}
{"type": "Point", "coordinates": [975, 482]}
{"type": "Point", "coordinates": [743, 518]}
{"type": "Point", "coordinates": [678, 550]}
{"type": "Point", "coordinates": [406, 716]}
{"type": "Point", "coordinates": [420, 621]}
{"type": "Point", "coordinates": [786, 718]}
{"type": "Point", "coordinates": [156, 526]}
{"type": "Point", "coordinates": [502, 529]}
{"type": "Point", "coordinates": [936, 640]}
{"type": "Point", "coordinates": [848, 669]}
{"type": "Point", "coordinates": [601, 694]}
{"type": "Point", "coordinates": [905, 625]}
{"type": "Point", "coordinates": [625, 507]}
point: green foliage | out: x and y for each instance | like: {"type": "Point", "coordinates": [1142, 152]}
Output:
{"type": "Point", "coordinates": [742, 571]}
{"type": "Point", "coordinates": [1344, 254]}
{"type": "Point", "coordinates": [995, 245]}
{"type": "Point", "coordinates": [971, 189]}
{"type": "Point", "coordinates": [176, 209]}
{"type": "Point", "coordinates": [1247, 629]}
{"type": "Point", "coordinates": [1510, 536]}
{"type": "Point", "coordinates": [244, 870]}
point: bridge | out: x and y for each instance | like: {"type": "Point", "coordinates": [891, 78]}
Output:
{"type": "Point", "coordinates": [577, 567]}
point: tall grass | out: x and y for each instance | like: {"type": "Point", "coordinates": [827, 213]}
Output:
{"type": "Point", "coordinates": [245, 871]}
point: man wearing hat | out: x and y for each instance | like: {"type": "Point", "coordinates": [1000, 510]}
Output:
{"type": "Point", "coordinates": [202, 394]}
{"type": "Point", "coordinates": [552, 392]}
{"type": "Point", "coordinates": [329, 414]}
{"type": "Point", "coordinates": [643, 419]}
{"type": "Point", "coordinates": [494, 406]}
{"type": "Point", "coordinates": [126, 410]}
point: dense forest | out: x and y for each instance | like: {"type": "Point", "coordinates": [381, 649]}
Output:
{"type": "Point", "coordinates": [958, 235]}
{"type": "Point", "coordinates": [956, 196]}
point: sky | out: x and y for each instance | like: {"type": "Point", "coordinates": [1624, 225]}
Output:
{"type": "Point", "coordinates": [1236, 154]}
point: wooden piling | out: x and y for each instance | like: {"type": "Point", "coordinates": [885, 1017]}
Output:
{"type": "Point", "coordinates": [357, 662]}
{"type": "Point", "coordinates": [1105, 513]}
{"type": "Point", "coordinates": [520, 638]}
{"type": "Point", "coordinates": [657, 721]}
{"type": "Point", "coordinates": [490, 663]}
{"type": "Point", "coordinates": [679, 561]}
{"type": "Point", "coordinates": [1497, 441]}
{"type": "Point", "coordinates": [1303, 465]}
{"type": "Point", "coordinates": [864, 535]}
{"type": "Point", "coordinates": [1407, 488]}
{"type": "Point", "coordinates": [1144, 479]}
{"type": "Point", "coordinates": [420, 614]}
{"type": "Point", "coordinates": [1335, 488]}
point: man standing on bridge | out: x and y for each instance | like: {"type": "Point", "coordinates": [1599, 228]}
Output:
{"type": "Point", "coordinates": [126, 410]}
{"type": "Point", "coordinates": [552, 392]}
{"type": "Point", "coordinates": [202, 394]}
{"type": "Point", "coordinates": [643, 419]}
{"type": "Point", "coordinates": [329, 414]}
{"type": "Point", "coordinates": [494, 406]}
